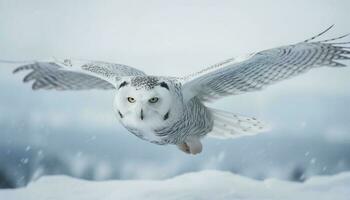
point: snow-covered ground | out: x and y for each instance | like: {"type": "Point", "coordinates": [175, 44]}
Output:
{"type": "Point", "coordinates": [199, 185]}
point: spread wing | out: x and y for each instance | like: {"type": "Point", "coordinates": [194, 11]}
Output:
{"type": "Point", "coordinates": [75, 74]}
{"type": "Point", "coordinates": [264, 68]}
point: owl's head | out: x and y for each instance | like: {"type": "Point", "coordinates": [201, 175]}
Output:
{"type": "Point", "coordinates": [147, 100]}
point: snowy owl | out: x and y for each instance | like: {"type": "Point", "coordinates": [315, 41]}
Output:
{"type": "Point", "coordinates": [171, 110]}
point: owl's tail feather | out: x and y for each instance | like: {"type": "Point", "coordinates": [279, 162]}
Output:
{"type": "Point", "coordinates": [229, 125]}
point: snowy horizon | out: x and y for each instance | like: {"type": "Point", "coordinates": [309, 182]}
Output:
{"type": "Point", "coordinates": [197, 185]}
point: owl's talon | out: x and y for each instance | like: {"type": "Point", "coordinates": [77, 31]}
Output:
{"type": "Point", "coordinates": [191, 146]}
{"type": "Point", "coordinates": [194, 145]}
{"type": "Point", "coordinates": [184, 147]}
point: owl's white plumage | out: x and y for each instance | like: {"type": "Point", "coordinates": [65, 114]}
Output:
{"type": "Point", "coordinates": [142, 114]}
{"type": "Point", "coordinates": [168, 110]}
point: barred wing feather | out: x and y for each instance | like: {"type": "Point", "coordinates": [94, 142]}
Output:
{"type": "Point", "coordinates": [75, 75]}
{"type": "Point", "coordinates": [264, 68]}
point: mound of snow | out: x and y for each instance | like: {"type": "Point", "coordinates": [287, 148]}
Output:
{"type": "Point", "coordinates": [200, 185]}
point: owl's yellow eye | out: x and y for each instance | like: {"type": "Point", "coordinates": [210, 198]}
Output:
{"type": "Point", "coordinates": [153, 99]}
{"type": "Point", "coordinates": [131, 100]}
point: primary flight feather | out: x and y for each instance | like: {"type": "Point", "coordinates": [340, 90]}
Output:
{"type": "Point", "coordinates": [170, 110]}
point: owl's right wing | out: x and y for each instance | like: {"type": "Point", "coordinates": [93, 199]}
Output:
{"type": "Point", "coordinates": [76, 74]}
{"type": "Point", "coordinates": [264, 68]}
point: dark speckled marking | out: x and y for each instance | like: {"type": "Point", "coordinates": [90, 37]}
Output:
{"type": "Point", "coordinates": [146, 82]}
{"type": "Point", "coordinates": [166, 116]}
{"type": "Point", "coordinates": [164, 85]}
{"type": "Point", "coordinates": [120, 114]}
{"type": "Point", "coordinates": [123, 84]}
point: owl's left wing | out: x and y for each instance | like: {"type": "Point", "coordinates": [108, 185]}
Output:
{"type": "Point", "coordinates": [75, 74]}
{"type": "Point", "coordinates": [264, 68]}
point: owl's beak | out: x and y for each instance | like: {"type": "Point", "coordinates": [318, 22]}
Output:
{"type": "Point", "coordinates": [141, 114]}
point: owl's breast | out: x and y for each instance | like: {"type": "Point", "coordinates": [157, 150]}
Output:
{"type": "Point", "coordinates": [147, 134]}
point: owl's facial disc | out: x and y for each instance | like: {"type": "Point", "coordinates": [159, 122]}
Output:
{"type": "Point", "coordinates": [142, 105]}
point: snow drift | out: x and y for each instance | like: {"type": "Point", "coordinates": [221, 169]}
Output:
{"type": "Point", "coordinates": [199, 185]}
